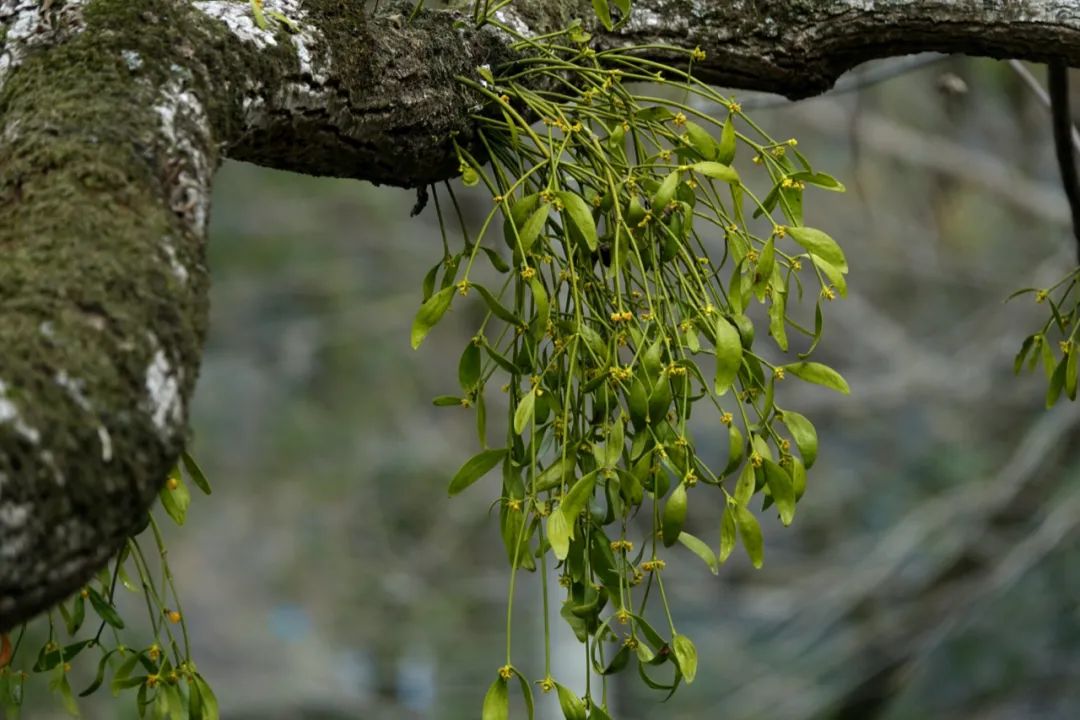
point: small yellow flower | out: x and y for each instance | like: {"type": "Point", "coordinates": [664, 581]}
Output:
{"type": "Point", "coordinates": [513, 504]}
{"type": "Point", "coordinates": [697, 54]}
{"type": "Point", "coordinates": [463, 287]}
{"type": "Point", "coordinates": [564, 581]}
{"type": "Point", "coordinates": [785, 445]}
{"type": "Point", "coordinates": [691, 183]}
{"type": "Point", "coordinates": [506, 672]}
{"type": "Point", "coordinates": [665, 155]}
{"type": "Point", "coordinates": [173, 615]}
{"type": "Point", "coordinates": [623, 616]}
{"type": "Point", "coordinates": [780, 231]}
{"type": "Point", "coordinates": [679, 120]}
{"type": "Point", "coordinates": [756, 460]}
{"type": "Point", "coordinates": [828, 293]}
{"type": "Point", "coordinates": [727, 418]}
{"type": "Point", "coordinates": [1066, 346]}
{"type": "Point", "coordinates": [796, 265]}
{"type": "Point", "coordinates": [653, 565]}
{"type": "Point", "coordinates": [757, 159]}
{"type": "Point", "coordinates": [787, 183]}
{"type": "Point", "coordinates": [792, 142]}
{"type": "Point", "coordinates": [497, 199]}
{"type": "Point", "coordinates": [734, 107]}
{"type": "Point", "coordinates": [752, 256]}
{"type": "Point", "coordinates": [779, 373]}
{"type": "Point", "coordinates": [547, 684]}
{"type": "Point", "coordinates": [527, 273]}
{"type": "Point", "coordinates": [691, 478]}
{"type": "Point", "coordinates": [154, 652]}
{"type": "Point", "coordinates": [152, 680]}
{"type": "Point", "coordinates": [1040, 296]}
{"type": "Point", "coordinates": [779, 151]}
{"type": "Point", "coordinates": [631, 642]}
{"type": "Point", "coordinates": [504, 99]}
{"type": "Point", "coordinates": [172, 483]}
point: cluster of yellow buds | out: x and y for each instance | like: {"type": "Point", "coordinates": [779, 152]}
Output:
{"type": "Point", "coordinates": [691, 478]}
{"type": "Point", "coordinates": [623, 616]}
{"type": "Point", "coordinates": [796, 264]}
{"type": "Point", "coordinates": [513, 504]}
{"type": "Point", "coordinates": [752, 256]}
{"type": "Point", "coordinates": [675, 370]}
{"type": "Point", "coordinates": [697, 54]}
{"type": "Point", "coordinates": [653, 565]}
{"type": "Point", "coordinates": [734, 107]}
{"type": "Point", "coordinates": [463, 287]}
{"type": "Point", "coordinates": [506, 672]}
{"type": "Point", "coordinates": [778, 151]}
{"type": "Point", "coordinates": [547, 684]}
{"type": "Point", "coordinates": [726, 418]}
{"type": "Point", "coordinates": [645, 220]}
{"type": "Point", "coordinates": [756, 460]}
{"type": "Point", "coordinates": [527, 273]}
{"type": "Point", "coordinates": [785, 445]}
{"type": "Point", "coordinates": [828, 293]}
{"type": "Point", "coordinates": [624, 316]}
{"type": "Point", "coordinates": [620, 373]}
{"type": "Point", "coordinates": [588, 95]}
{"type": "Point", "coordinates": [779, 373]}
{"type": "Point", "coordinates": [679, 120]}
{"type": "Point", "coordinates": [1041, 295]}
{"type": "Point", "coordinates": [504, 99]}
{"type": "Point", "coordinates": [792, 184]}
{"type": "Point", "coordinates": [1066, 346]}
{"type": "Point", "coordinates": [617, 545]}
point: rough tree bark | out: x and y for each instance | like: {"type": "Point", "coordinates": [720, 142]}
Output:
{"type": "Point", "coordinates": [114, 115]}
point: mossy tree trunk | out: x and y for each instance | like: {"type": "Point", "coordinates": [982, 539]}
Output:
{"type": "Point", "coordinates": [114, 115]}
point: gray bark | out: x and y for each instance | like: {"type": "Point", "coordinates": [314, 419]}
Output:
{"type": "Point", "coordinates": [115, 113]}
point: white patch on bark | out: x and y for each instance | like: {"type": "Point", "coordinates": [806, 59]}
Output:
{"type": "Point", "coordinates": [106, 443]}
{"type": "Point", "coordinates": [181, 115]}
{"type": "Point", "coordinates": [308, 91]}
{"type": "Point", "coordinates": [132, 59]}
{"type": "Point", "coordinates": [178, 268]}
{"type": "Point", "coordinates": [13, 517]}
{"type": "Point", "coordinates": [74, 388]}
{"type": "Point", "coordinates": [9, 413]}
{"type": "Point", "coordinates": [30, 23]}
{"type": "Point", "coordinates": [166, 405]}
{"type": "Point", "coordinates": [241, 23]}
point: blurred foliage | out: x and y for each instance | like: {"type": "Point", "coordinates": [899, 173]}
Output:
{"type": "Point", "coordinates": [933, 570]}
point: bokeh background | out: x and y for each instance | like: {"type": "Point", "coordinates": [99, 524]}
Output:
{"type": "Point", "coordinates": [933, 570]}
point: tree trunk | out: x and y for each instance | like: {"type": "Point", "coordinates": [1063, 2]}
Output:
{"type": "Point", "coordinates": [114, 115]}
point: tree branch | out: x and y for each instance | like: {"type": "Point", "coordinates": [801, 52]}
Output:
{"type": "Point", "coordinates": [114, 115]}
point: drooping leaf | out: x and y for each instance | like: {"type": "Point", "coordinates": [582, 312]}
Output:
{"type": "Point", "coordinates": [523, 415]}
{"type": "Point", "coordinates": [475, 468]}
{"type": "Point", "coordinates": [819, 374]}
{"type": "Point", "coordinates": [686, 656]}
{"type": "Point", "coordinates": [496, 701]}
{"type": "Point", "coordinates": [558, 534]}
{"type": "Point", "coordinates": [783, 492]}
{"type": "Point", "coordinates": [728, 356]}
{"type": "Point", "coordinates": [750, 531]}
{"type": "Point", "coordinates": [717, 171]}
{"type": "Point", "coordinates": [702, 550]}
{"type": "Point", "coordinates": [818, 243]}
{"type": "Point", "coordinates": [674, 515]}
{"type": "Point", "coordinates": [430, 313]}
{"type": "Point", "coordinates": [727, 533]}
{"type": "Point", "coordinates": [580, 217]}
{"type": "Point", "coordinates": [802, 430]}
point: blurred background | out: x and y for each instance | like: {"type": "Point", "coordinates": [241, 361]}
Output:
{"type": "Point", "coordinates": [933, 570]}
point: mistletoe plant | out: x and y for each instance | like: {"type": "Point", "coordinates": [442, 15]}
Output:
{"type": "Point", "coordinates": [640, 274]}
{"type": "Point", "coordinates": [617, 318]}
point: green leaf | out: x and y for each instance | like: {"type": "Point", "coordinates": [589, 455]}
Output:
{"type": "Point", "coordinates": [580, 217]}
{"type": "Point", "coordinates": [176, 500]}
{"type": "Point", "coordinates": [702, 550]}
{"type": "Point", "coordinates": [744, 486]}
{"type": "Point", "coordinates": [526, 693]}
{"type": "Point", "coordinates": [802, 430]}
{"type": "Point", "coordinates": [819, 374]}
{"type": "Point", "coordinates": [530, 231]}
{"type": "Point", "coordinates": [523, 415]}
{"type": "Point", "coordinates": [603, 14]}
{"type": "Point", "coordinates": [496, 701]}
{"type": "Point", "coordinates": [104, 609]}
{"type": "Point", "coordinates": [207, 699]}
{"type": "Point", "coordinates": [572, 707]}
{"type": "Point", "coordinates": [783, 492]}
{"type": "Point", "coordinates": [195, 473]}
{"type": "Point", "coordinates": [728, 356]}
{"type": "Point", "coordinates": [1057, 382]}
{"type": "Point", "coordinates": [430, 313]}
{"type": "Point", "coordinates": [836, 277]}
{"type": "Point", "coordinates": [469, 367]}
{"type": "Point", "coordinates": [726, 152]}
{"type": "Point", "coordinates": [717, 171]}
{"type": "Point", "coordinates": [674, 515]}
{"type": "Point", "coordinates": [558, 534]}
{"type": "Point", "coordinates": [577, 499]}
{"type": "Point", "coordinates": [475, 468]}
{"type": "Point", "coordinates": [497, 309]}
{"type": "Point", "coordinates": [820, 179]}
{"type": "Point", "coordinates": [727, 532]}
{"type": "Point", "coordinates": [1070, 371]}
{"type": "Point", "coordinates": [257, 13]}
{"type": "Point", "coordinates": [685, 656]}
{"type": "Point", "coordinates": [750, 531]}
{"type": "Point", "coordinates": [665, 192]}
{"type": "Point", "coordinates": [818, 243]}
{"type": "Point", "coordinates": [702, 142]}
{"type": "Point", "coordinates": [469, 176]}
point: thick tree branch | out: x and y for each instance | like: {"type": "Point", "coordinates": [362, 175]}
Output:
{"type": "Point", "coordinates": [115, 113]}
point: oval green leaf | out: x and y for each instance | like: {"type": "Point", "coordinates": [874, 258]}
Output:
{"type": "Point", "coordinates": [475, 468]}
{"type": "Point", "coordinates": [430, 313]}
